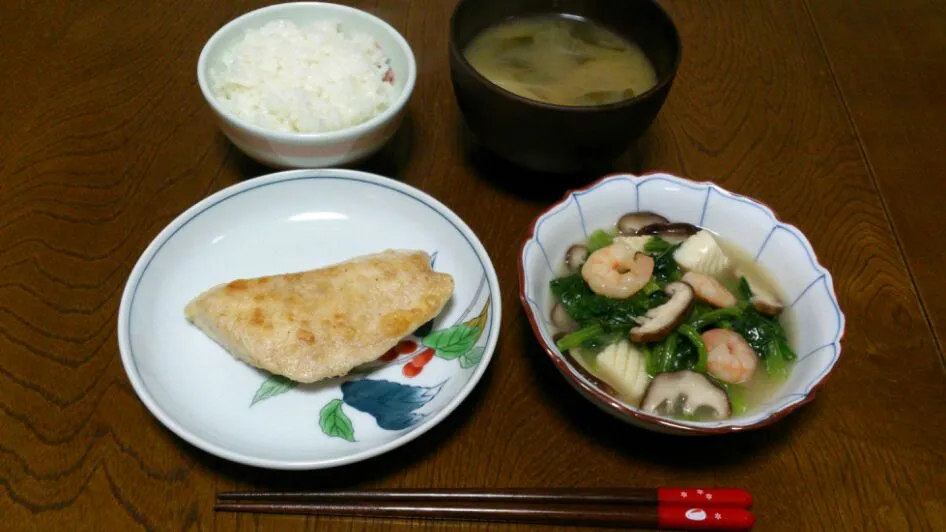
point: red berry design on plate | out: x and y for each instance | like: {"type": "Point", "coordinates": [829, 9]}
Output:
{"type": "Point", "coordinates": [423, 358]}
{"type": "Point", "coordinates": [410, 370]}
{"type": "Point", "coordinates": [406, 346]}
{"type": "Point", "coordinates": [389, 355]}
{"type": "Point", "coordinates": [416, 364]}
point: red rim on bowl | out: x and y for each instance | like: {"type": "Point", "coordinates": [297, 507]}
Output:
{"type": "Point", "coordinates": [570, 372]}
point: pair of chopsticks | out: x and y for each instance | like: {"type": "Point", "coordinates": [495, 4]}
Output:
{"type": "Point", "coordinates": [660, 508]}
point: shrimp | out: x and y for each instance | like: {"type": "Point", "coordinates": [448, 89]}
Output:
{"type": "Point", "coordinates": [730, 358]}
{"type": "Point", "coordinates": [617, 271]}
{"type": "Point", "coordinates": [709, 290]}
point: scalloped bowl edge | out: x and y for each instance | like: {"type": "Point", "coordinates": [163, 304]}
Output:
{"type": "Point", "coordinates": [768, 413]}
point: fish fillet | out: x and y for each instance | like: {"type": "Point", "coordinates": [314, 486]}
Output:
{"type": "Point", "coordinates": [317, 324]}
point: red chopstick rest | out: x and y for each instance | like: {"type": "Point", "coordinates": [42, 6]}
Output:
{"type": "Point", "coordinates": [704, 518]}
{"type": "Point", "coordinates": [708, 496]}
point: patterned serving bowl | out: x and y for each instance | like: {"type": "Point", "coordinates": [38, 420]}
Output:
{"type": "Point", "coordinates": [811, 303]}
{"type": "Point", "coordinates": [293, 221]}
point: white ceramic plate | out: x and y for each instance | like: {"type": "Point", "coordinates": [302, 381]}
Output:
{"type": "Point", "coordinates": [812, 305]}
{"type": "Point", "coordinates": [292, 221]}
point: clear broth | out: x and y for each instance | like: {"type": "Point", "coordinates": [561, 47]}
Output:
{"type": "Point", "coordinates": [761, 387]}
{"type": "Point", "coordinates": [562, 60]}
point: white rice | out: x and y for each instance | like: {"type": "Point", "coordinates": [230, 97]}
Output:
{"type": "Point", "coordinates": [306, 79]}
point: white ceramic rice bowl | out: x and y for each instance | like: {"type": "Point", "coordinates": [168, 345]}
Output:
{"type": "Point", "coordinates": [311, 150]}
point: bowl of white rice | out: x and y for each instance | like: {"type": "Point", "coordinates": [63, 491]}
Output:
{"type": "Point", "coordinates": [307, 84]}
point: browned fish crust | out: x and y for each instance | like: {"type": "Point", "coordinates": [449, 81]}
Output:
{"type": "Point", "coordinates": [321, 323]}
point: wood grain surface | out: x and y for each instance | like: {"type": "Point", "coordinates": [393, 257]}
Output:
{"type": "Point", "coordinates": [831, 111]}
{"type": "Point", "coordinates": [892, 85]}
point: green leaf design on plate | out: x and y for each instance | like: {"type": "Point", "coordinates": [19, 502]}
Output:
{"type": "Point", "coordinates": [472, 357]}
{"type": "Point", "coordinates": [334, 422]}
{"type": "Point", "coordinates": [273, 386]}
{"type": "Point", "coordinates": [453, 342]}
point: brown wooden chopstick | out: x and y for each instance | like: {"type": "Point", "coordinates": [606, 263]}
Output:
{"type": "Point", "coordinates": [663, 517]}
{"type": "Point", "coordinates": [623, 496]}
{"type": "Point", "coordinates": [680, 508]}
{"type": "Point", "coordinates": [576, 496]}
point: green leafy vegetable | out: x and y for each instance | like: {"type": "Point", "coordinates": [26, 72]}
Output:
{"type": "Point", "coordinates": [713, 316]}
{"type": "Point", "coordinates": [662, 355]}
{"type": "Point", "coordinates": [601, 319]}
{"type": "Point", "coordinates": [651, 287]}
{"type": "Point", "coordinates": [737, 395]}
{"type": "Point", "coordinates": [775, 363]}
{"type": "Point", "coordinates": [656, 245]}
{"type": "Point", "coordinates": [738, 401]}
{"type": "Point", "coordinates": [590, 309]}
{"type": "Point", "coordinates": [743, 292]}
{"type": "Point", "coordinates": [693, 336]}
{"type": "Point", "coordinates": [672, 354]}
{"type": "Point", "coordinates": [576, 338]}
{"type": "Point", "coordinates": [591, 339]}
{"type": "Point", "coordinates": [599, 239]}
{"type": "Point", "coordinates": [698, 310]}
{"type": "Point", "coordinates": [649, 359]}
{"type": "Point", "coordinates": [666, 268]}
{"type": "Point", "coordinates": [604, 320]}
{"type": "Point", "coordinates": [764, 334]}
{"type": "Point", "coordinates": [684, 355]}
{"type": "Point", "coordinates": [601, 341]}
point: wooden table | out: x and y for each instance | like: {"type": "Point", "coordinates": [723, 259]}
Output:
{"type": "Point", "coordinates": [832, 111]}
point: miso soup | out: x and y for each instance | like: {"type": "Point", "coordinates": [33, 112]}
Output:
{"type": "Point", "coordinates": [562, 60]}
